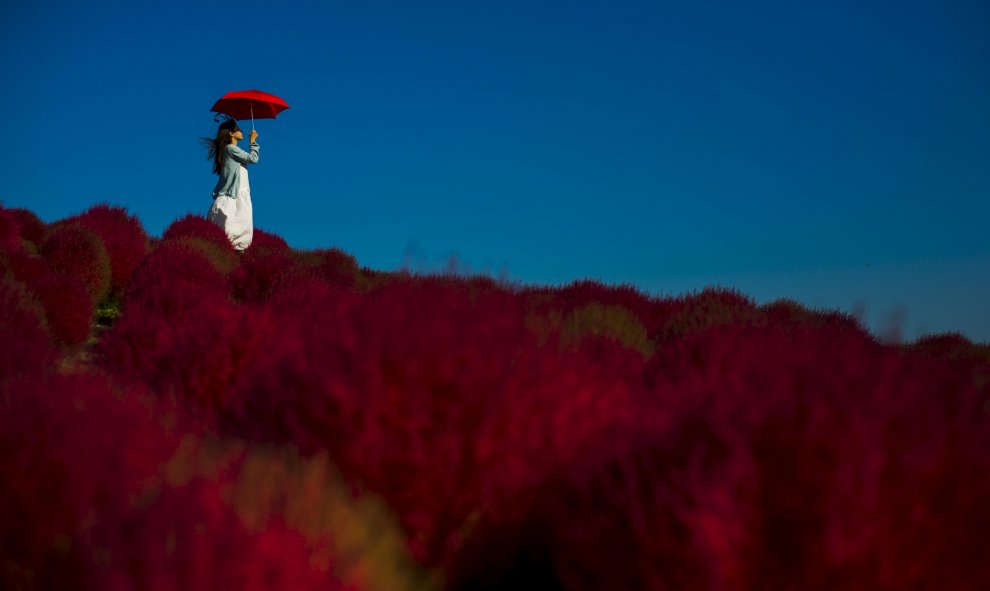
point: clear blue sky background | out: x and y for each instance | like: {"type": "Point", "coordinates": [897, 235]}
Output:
{"type": "Point", "coordinates": [836, 152]}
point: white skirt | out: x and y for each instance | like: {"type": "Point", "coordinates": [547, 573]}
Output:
{"type": "Point", "coordinates": [234, 214]}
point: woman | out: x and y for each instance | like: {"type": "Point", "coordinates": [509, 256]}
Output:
{"type": "Point", "coordinates": [231, 208]}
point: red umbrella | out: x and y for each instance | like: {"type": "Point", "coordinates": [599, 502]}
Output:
{"type": "Point", "coordinates": [241, 104]}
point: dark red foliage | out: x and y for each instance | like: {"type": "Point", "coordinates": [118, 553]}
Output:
{"type": "Point", "coordinates": [711, 307]}
{"type": "Point", "coordinates": [172, 280]}
{"type": "Point", "coordinates": [25, 348]}
{"type": "Point", "coordinates": [263, 240]}
{"type": "Point", "coordinates": [94, 504]}
{"type": "Point", "coordinates": [78, 454]}
{"type": "Point", "coordinates": [172, 283]}
{"type": "Point", "coordinates": [951, 347]}
{"type": "Point", "coordinates": [652, 312]}
{"type": "Point", "coordinates": [10, 232]}
{"type": "Point", "coordinates": [73, 250]}
{"type": "Point", "coordinates": [821, 462]}
{"type": "Point", "coordinates": [258, 272]}
{"type": "Point", "coordinates": [418, 383]}
{"type": "Point", "coordinates": [31, 226]}
{"type": "Point", "coordinates": [196, 226]}
{"type": "Point", "coordinates": [338, 267]}
{"type": "Point", "coordinates": [584, 437]}
{"type": "Point", "coordinates": [68, 306]}
{"type": "Point", "coordinates": [787, 314]}
{"type": "Point", "coordinates": [124, 237]}
{"type": "Point", "coordinates": [199, 360]}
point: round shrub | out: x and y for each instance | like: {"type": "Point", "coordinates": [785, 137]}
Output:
{"type": "Point", "coordinates": [611, 322]}
{"type": "Point", "coordinates": [124, 237]}
{"type": "Point", "coordinates": [32, 228]}
{"type": "Point", "coordinates": [268, 240]}
{"type": "Point", "coordinates": [169, 286]}
{"type": "Point", "coordinates": [68, 306]}
{"type": "Point", "coordinates": [259, 270]}
{"type": "Point", "coordinates": [78, 453]}
{"type": "Point", "coordinates": [172, 280]}
{"type": "Point", "coordinates": [332, 264]}
{"type": "Point", "coordinates": [339, 267]}
{"type": "Point", "coordinates": [10, 232]}
{"type": "Point", "coordinates": [25, 348]}
{"type": "Point", "coordinates": [72, 249]}
{"type": "Point", "coordinates": [712, 307]}
{"type": "Point", "coordinates": [196, 226]}
{"type": "Point", "coordinates": [789, 314]}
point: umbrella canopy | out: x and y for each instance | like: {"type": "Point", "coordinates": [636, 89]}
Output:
{"type": "Point", "coordinates": [242, 104]}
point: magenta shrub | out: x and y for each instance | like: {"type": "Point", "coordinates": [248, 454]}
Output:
{"type": "Point", "coordinates": [124, 237]}
{"type": "Point", "coordinates": [68, 306]}
{"type": "Point", "coordinates": [172, 280]}
{"type": "Point", "coordinates": [73, 250]}
{"type": "Point", "coordinates": [25, 347]}
{"type": "Point", "coordinates": [31, 227]}
{"type": "Point", "coordinates": [169, 286]}
{"type": "Point", "coordinates": [258, 272]}
{"type": "Point", "coordinates": [99, 502]}
{"type": "Point", "coordinates": [338, 267]}
{"type": "Point", "coordinates": [263, 240]}
{"type": "Point", "coordinates": [196, 226]}
{"type": "Point", "coordinates": [10, 232]}
{"type": "Point", "coordinates": [711, 307]}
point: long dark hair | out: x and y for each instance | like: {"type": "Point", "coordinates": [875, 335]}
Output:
{"type": "Point", "coordinates": [215, 146]}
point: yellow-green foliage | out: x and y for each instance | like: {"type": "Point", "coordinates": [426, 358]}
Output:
{"type": "Point", "coordinates": [614, 322]}
{"type": "Point", "coordinates": [356, 538]}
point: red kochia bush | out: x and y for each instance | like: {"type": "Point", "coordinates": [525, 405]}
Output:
{"type": "Point", "coordinates": [338, 267]}
{"type": "Point", "coordinates": [652, 312]}
{"type": "Point", "coordinates": [421, 383]}
{"type": "Point", "coordinates": [124, 237]}
{"type": "Point", "coordinates": [805, 459]}
{"type": "Point", "coordinates": [199, 360]}
{"type": "Point", "coordinates": [25, 348]}
{"type": "Point", "coordinates": [96, 503]}
{"type": "Point", "coordinates": [10, 232]}
{"type": "Point", "coordinates": [173, 279]}
{"type": "Point", "coordinates": [259, 270]}
{"type": "Point", "coordinates": [171, 284]}
{"type": "Point", "coordinates": [32, 228]}
{"type": "Point", "coordinates": [68, 306]}
{"type": "Point", "coordinates": [72, 249]}
{"type": "Point", "coordinates": [77, 453]}
{"type": "Point", "coordinates": [268, 241]}
{"type": "Point", "coordinates": [196, 226]}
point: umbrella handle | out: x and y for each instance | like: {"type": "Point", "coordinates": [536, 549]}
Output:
{"type": "Point", "coordinates": [252, 117]}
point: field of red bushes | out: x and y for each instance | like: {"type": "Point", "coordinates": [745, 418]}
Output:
{"type": "Point", "coordinates": [175, 415]}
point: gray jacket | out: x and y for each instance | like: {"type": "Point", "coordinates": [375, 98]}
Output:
{"type": "Point", "coordinates": [233, 158]}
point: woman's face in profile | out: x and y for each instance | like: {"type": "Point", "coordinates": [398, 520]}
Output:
{"type": "Point", "coordinates": [237, 135]}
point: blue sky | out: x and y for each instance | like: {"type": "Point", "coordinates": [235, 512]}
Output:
{"type": "Point", "coordinates": [832, 152]}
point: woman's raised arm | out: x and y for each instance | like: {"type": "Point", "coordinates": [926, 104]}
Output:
{"type": "Point", "coordinates": [244, 157]}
